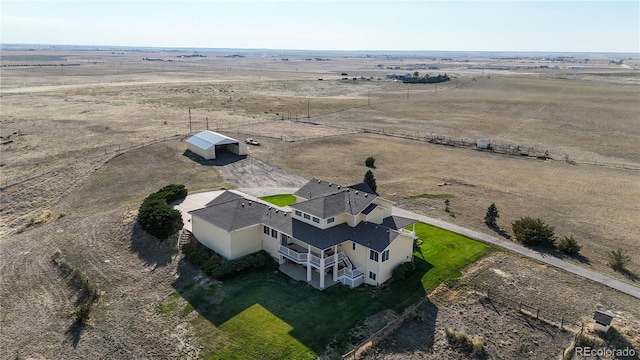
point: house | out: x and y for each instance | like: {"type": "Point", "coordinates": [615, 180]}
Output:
{"type": "Point", "coordinates": [602, 321]}
{"type": "Point", "coordinates": [331, 234]}
{"type": "Point", "coordinates": [207, 143]}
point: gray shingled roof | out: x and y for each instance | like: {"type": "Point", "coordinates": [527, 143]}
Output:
{"type": "Point", "coordinates": [397, 222]}
{"type": "Point", "coordinates": [230, 212]}
{"type": "Point", "coordinates": [363, 186]}
{"type": "Point", "coordinates": [370, 235]}
{"type": "Point", "coordinates": [345, 201]}
{"type": "Point", "coordinates": [317, 188]}
{"type": "Point", "coordinates": [224, 197]}
{"type": "Point", "coordinates": [369, 209]}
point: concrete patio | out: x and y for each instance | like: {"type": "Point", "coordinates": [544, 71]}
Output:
{"type": "Point", "coordinates": [299, 273]}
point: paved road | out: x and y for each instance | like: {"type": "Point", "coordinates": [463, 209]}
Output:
{"type": "Point", "coordinates": [196, 201]}
{"type": "Point", "coordinates": [532, 254]}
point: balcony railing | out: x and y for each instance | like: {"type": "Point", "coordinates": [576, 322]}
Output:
{"type": "Point", "coordinates": [301, 257]}
{"type": "Point", "coordinates": [351, 274]}
{"type": "Point", "coordinates": [292, 254]}
{"type": "Point", "coordinates": [353, 278]}
{"type": "Point", "coordinates": [352, 282]}
{"type": "Point", "coordinates": [406, 231]}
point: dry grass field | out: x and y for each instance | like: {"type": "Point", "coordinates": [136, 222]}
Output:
{"type": "Point", "coordinates": [82, 145]}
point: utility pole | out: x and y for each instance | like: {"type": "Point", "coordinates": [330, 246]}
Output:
{"type": "Point", "coordinates": [207, 119]}
{"type": "Point", "coordinates": [189, 120]}
{"type": "Point", "coordinates": [308, 113]}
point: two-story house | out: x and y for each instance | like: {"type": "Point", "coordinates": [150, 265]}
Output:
{"type": "Point", "coordinates": [336, 233]}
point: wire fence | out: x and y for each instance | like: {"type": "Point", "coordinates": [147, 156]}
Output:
{"type": "Point", "coordinates": [110, 151]}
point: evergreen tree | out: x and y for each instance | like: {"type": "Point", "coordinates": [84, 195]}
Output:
{"type": "Point", "coordinates": [491, 216]}
{"type": "Point", "coordinates": [530, 231]}
{"type": "Point", "coordinates": [370, 180]}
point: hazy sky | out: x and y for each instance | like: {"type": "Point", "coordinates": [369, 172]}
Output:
{"type": "Point", "coordinates": [582, 26]}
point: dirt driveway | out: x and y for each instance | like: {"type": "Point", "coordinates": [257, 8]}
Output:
{"type": "Point", "coordinates": [249, 172]}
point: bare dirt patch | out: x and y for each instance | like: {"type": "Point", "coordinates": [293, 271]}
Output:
{"type": "Point", "coordinates": [508, 333]}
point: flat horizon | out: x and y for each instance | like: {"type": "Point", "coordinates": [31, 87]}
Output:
{"type": "Point", "coordinates": [511, 26]}
{"type": "Point", "coordinates": [89, 47]}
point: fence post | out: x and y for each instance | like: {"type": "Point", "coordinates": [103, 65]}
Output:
{"type": "Point", "coordinates": [537, 313]}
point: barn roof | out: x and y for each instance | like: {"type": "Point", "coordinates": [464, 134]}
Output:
{"type": "Point", "coordinates": [206, 140]}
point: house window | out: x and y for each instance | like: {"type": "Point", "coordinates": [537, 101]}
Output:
{"type": "Point", "coordinates": [316, 220]}
{"type": "Point", "coordinates": [265, 230]}
{"type": "Point", "coordinates": [298, 213]}
{"type": "Point", "coordinates": [372, 275]}
{"type": "Point", "coordinates": [307, 216]}
{"type": "Point", "coordinates": [373, 255]}
{"type": "Point", "coordinates": [385, 255]}
{"type": "Point", "coordinates": [274, 233]}
{"type": "Point", "coordinates": [330, 220]}
{"type": "Point", "coordinates": [354, 246]}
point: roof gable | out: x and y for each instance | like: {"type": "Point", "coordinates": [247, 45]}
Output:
{"type": "Point", "coordinates": [317, 188]}
{"type": "Point", "coordinates": [208, 139]}
{"type": "Point", "coordinates": [232, 212]}
{"type": "Point", "coordinates": [326, 199]}
{"type": "Point", "coordinates": [363, 186]}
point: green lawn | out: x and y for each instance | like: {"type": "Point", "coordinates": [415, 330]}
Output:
{"type": "Point", "coordinates": [280, 200]}
{"type": "Point", "coordinates": [266, 315]}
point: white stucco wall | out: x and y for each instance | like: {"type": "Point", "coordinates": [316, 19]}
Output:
{"type": "Point", "coordinates": [246, 241]}
{"type": "Point", "coordinates": [376, 216]}
{"type": "Point", "coordinates": [211, 236]}
{"type": "Point", "coordinates": [270, 245]}
{"type": "Point", "coordinates": [400, 251]}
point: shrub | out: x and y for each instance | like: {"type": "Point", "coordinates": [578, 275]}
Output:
{"type": "Point", "coordinates": [156, 217]}
{"type": "Point", "coordinates": [196, 253]}
{"type": "Point", "coordinates": [618, 259]}
{"type": "Point", "coordinates": [463, 341]}
{"type": "Point", "coordinates": [82, 315]}
{"type": "Point", "coordinates": [370, 162]}
{"type": "Point", "coordinates": [403, 271]}
{"type": "Point", "coordinates": [173, 192]}
{"type": "Point", "coordinates": [569, 245]}
{"type": "Point", "coordinates": [530, 231]}
{"type": "Point", "coordinates": [215, 266]}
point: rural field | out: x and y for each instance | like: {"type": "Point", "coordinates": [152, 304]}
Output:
{"type": "Point", "coordinates": [83, 144]}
